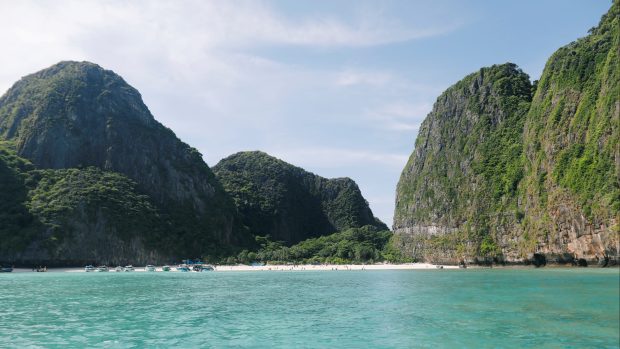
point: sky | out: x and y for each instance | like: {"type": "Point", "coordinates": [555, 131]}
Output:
{"type": "Point", "coordinates": [338, 88]}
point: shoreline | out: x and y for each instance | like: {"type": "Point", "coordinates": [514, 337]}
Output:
{"type": "Point", "coordinates": [273, 267]}
{"type": "Point", "coordinates": [333, 267]}
{"type": "Point", "coordinates": [326, 267]}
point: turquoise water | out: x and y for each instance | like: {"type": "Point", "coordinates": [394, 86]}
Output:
{"type": "Point", "coordinates": [552, 308]}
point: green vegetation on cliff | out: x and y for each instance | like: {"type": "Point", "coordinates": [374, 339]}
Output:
{"type": "Point", "coordinates": [498, 174]}
{"type": "Point", "coordinates": [573, 128]}
{"type": "Point", "coordinates": [48, 208]}
{"type": "Point", "coordinates": [16, 221]}
{"type": "Point", "coordinates": [499, 153]}
{"type": "Point", "coordinates": [89, 174]}
{"type": "Point", "coordinates": [288, 203]}
{"type": "Point", "coordinates": [54, 208]}
{"type": "Point", "coordinates": [468, 160]}
{"type": "Point", "coordinates": [76, 115]}
{"type": "Point", "coordinates": [366, 244]}
{"type": "Point", "coordinates": [60, 195]}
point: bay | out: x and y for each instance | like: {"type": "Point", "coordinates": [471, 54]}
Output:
{"type": "Point", "coordinates": [473, 308]}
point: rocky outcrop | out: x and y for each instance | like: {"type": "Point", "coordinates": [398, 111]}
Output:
{"type": "Point", "coordinates": [75, 216]}
{"type": "Point", "coordinates": [92, 236]}
{"type": "Point", "coordinates": [288, 203]}
{"type": "Point", "coordinates": [499, 176]}
{"type": "Point", "coordinates": [458, 187]}
{"type": "Point", "coordinates": [78, 115]}
{"type": "Point", "coordinates": [571, 188]}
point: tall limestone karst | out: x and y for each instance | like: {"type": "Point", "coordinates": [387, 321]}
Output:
{"type": "Point", "coordinates": [288, 203]}
{"type": "Point", "coordinates": [498, 175]}
{"type": "Point", "coordinates": [571, 189]}
{"type": "Point", "coordinates": [460, 183]}
{"type": "Point", "coordinates": [78, 115]}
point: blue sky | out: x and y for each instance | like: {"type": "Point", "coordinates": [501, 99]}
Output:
{"type": "Point", "coordinates": [336, 87]}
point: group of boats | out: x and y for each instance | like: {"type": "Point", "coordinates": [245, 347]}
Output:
{"type": "Point", "coordinates": [9, 268]}
{"type": "Point", "coordinates": [151, 268]}
{"type": "Point", "coordinates": [104, 268]}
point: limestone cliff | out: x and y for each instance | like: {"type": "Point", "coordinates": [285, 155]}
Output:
{"type": "Point", "coordinates": [460, 183]}
{"type": "Point", "coordinates": [78, 115]}
{"type": "Point", "coordinates": [571, 189]}
{"type": "Point", "coordinates": [497, 175]}
{"type": "Point", "coordinates": [288, 203]}
{"type": "Point", "coordinates": [75, 216]}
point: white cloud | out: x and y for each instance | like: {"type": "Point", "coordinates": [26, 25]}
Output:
{"type": "Point", "coordinates": [182, 34]}
{"type": "Point", "coordinates": [201, 69]}
{"type": "Point", "coordinates": [400, 116]}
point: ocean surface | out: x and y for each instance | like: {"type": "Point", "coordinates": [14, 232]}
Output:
{"type": "Point", "coordinates": [497, 308]}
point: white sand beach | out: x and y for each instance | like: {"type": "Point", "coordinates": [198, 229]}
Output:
{"type": "Point", "coordinates": [330, 267]}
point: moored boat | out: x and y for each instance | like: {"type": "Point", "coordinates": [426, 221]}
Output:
{"type": "Point", "coordinates": [102, 268]}
{"type": "Point", "coordinates": [149, 268]}
{"type": "Point", "coordinates": [6, 269]}
{"type": "Point", "coordinates": [206, 267]}
{"type": "Point", "coordinates": [128, 268]}
{"type": "Point", "coordinates": [165, 268]}
{"type": "Point", "coordinates": [118, 269]}
{"type": "Point", "coordinates": [89, 268]}
{"type": "Point", "coordinates": [183, 268]}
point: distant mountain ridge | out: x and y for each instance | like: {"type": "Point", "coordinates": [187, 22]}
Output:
{"type": "Point", "coordinates": [288, 203]}
{"type": "Point", "coordinates": [503, 171]}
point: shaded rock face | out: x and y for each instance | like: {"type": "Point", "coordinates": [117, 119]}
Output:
{"type": "Point", "coordinates": [76, 114]}
{"type": "Point", "coordinates": [91, 241]}
{"type": "Point", "coordinates": [497, 176]}
{"type": "Point", "coordinates": [74, 216]}
{"type": "Point", "coordinates": [289, 203]}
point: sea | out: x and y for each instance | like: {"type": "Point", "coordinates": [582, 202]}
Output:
{"type": "Point", "coordinates": [471, 308]}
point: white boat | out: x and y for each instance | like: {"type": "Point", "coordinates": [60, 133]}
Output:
{"type": "Point", "coordinates": [165, 268]}
{"type": "Point", "coordinates": [102, 268]}
{"type": "Point", "coordinates": [149, 268]}
{"type": "Point", "coordinates": [128, 268]}
{"type": "Point", "coordinates": [89, 268]}
{"type": "Point", "coordinates": [118, 269]}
